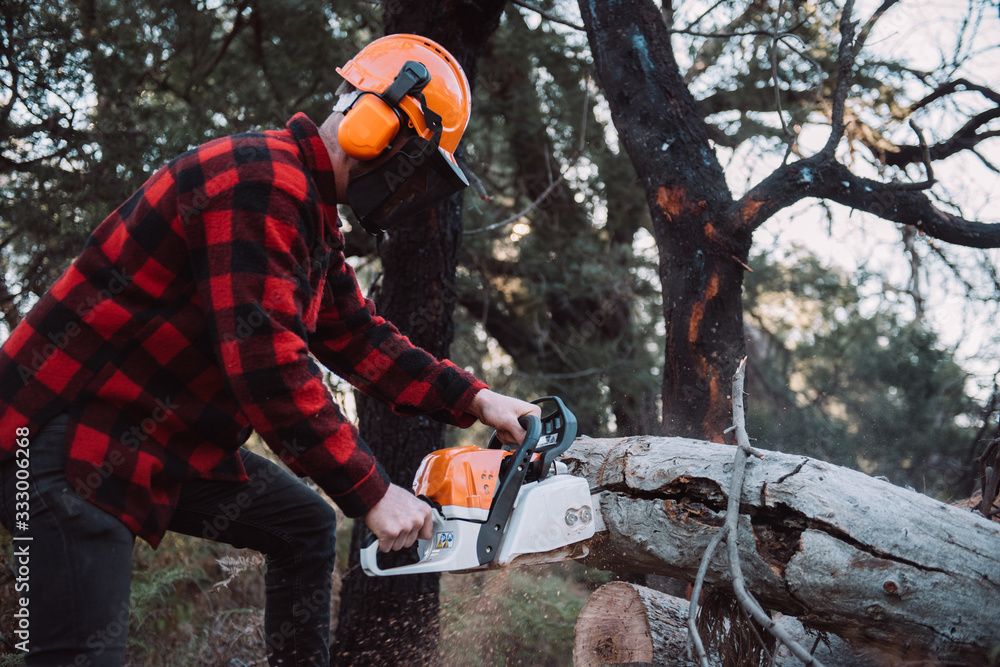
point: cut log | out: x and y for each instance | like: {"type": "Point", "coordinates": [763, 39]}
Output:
{"type": "Point", "coordinates": [844, 552]}
{"type": "Point", "coordinates": [626, 623]}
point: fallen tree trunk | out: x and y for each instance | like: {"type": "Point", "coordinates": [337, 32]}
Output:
{"type": "Point", "coordinates": [843, 552]}
{"type": "Point", "coordinates": [626, 623]}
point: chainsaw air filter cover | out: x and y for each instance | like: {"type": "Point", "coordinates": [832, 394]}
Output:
{"type": "Point", "coordinates": [462, 480]}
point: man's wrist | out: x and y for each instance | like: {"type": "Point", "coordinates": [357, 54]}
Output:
{"type": "Point", "coordinates": [478, 403]}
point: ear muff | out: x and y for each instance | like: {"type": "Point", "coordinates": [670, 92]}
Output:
{"type": "Point", "coordinates": [373, 122]}
{"type": "Point", "coordinates": [368, 128]}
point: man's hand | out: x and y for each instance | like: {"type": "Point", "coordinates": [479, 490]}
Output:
{"type": "Point", "coordinates": [501, 412]}
{"type": "Point", "coordinates": [399, 519]}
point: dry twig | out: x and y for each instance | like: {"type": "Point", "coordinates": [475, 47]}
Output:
{"type": "Point", "coordinates": [729, 533]}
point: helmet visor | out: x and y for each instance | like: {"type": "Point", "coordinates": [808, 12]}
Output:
{"type": "Point", "coordinates": [413, 179]}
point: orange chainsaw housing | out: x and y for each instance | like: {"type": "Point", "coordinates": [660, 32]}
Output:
{"type": "Point", "coordinates": [460, 476]}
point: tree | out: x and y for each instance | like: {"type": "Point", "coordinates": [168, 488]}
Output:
{"type": "Point", "coordinates": [704, 233]}
{"type": "Point", "coordinates": [396, 619]}
{"type": "Point", "coordinates": [868, 390]}
{"type": "Point", "coordinates": [555, 287]}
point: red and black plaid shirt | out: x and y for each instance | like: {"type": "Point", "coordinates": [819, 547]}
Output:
{"type": "Point", "coordinates": [189, 318]}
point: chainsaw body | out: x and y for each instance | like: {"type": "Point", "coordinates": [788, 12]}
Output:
{"type": "Point", "coordinates": [492, 505]}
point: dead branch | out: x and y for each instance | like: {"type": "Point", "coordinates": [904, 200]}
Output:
{"type": "Point", "coordinates": [926, 156]}
{"type": "Point", "coordinates": [729, 534]}
{"type": "Point", "coordinates": [845, 59]}
{"type": "Point", "coordinates": [548, 16]}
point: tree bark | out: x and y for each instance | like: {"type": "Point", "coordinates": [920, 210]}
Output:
{"type": "Point", "coordinates": [876, 564]}
{"type": "Point", "coordinates": [626, 623]}
{"type": "Point", "coordinates": [702, 250]}
{"type": "Point", "coordinates": [394, 620]}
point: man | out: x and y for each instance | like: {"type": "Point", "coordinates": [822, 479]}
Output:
{"type": "Point", "coordinates": [188, 320]}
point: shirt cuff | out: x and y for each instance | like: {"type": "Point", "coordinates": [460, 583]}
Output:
{"type": "Point", "coordinates": [363, 496]}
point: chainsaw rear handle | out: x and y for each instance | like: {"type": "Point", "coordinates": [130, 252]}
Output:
{"type": "Point", "coordinates": [558, 433]}
{"type": "Point", "coordinates": [369, 555]}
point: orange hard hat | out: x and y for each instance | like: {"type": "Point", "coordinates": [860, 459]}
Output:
{"type": "Point", "coordinates": [447, 93]}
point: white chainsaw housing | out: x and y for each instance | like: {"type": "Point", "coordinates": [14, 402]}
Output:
{"type": "Point", "coordinates": [547, 515]}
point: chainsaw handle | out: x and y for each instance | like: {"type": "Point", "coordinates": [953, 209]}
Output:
{"type": "Point", "coordinates": [369, 554]}
{"type": "Point", "coordinates": [507, 490]}
{"type": "Point", "coordinates": [558, 428]}
{"type": "Point", "coordinates": [558, 432]}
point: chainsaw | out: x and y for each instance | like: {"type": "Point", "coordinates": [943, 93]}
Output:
{"type": "Point", "coordinates": [492, 505]}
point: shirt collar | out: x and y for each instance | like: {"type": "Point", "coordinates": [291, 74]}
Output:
{"type": "Point", "coordinates": [317, 160]}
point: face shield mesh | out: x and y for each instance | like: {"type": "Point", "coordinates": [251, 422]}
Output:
{"type": "Point", "coordinates": [413, 179]}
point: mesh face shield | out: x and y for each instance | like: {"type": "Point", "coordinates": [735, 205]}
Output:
{"type": "Point", "coordinates": [414, 178]}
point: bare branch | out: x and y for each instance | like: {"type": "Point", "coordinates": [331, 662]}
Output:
{"type": "Point", "coordinates": [926, 155]}
{"type": "Point", "coordinates": [989, 165]}
{"type": "Point", "coordinates": [729, 532]}
{"type": "Point", "coordinates": [965, 138]}
{"type": "Point", "coordinates": [869, 24]}
{"type": "Point", "coordinates": [845, 58]}
{"type": "Point", "coordinates": [474, 180]}
{"type": "Point", "coordinates": [732, 517]}
{"type": "Point", "coordinates": [700, 18]}
{"type": "Point", "coordinates": [774, 71]}
{"type": "Point", "coordinates": [951, 87]}
{"type": "Point", "coordinates": [823, 178]}
{"type": "Point", "coordinates": [546, 15]}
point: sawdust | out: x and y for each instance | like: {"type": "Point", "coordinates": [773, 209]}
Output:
{"type": "Point", "coordinates": [511, 616]}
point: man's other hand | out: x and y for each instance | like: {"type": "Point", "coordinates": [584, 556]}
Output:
{"type": "Point", "coordinates": [502, 412]}
{"type": "Point", "coordinates": [399, 519]}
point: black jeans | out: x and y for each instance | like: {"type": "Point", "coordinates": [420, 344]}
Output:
{"type": "Point", "coordinates": [80, 556]}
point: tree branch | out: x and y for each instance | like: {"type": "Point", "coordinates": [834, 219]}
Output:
{"type": "Point", "coordinates": [925, 155]}
{"type": "Point", "coordinates": [845, 58]}
{"type": "Point", "coordinates": [951, 87]}
{"type": "Point", "coordinates": [965, 138]}
{"type": "Point", "coordinates": [548, 16]}
{"type": "Point", "coordinates": [823, 178]}
{"type": "Point", "coordinates": [869, 24]}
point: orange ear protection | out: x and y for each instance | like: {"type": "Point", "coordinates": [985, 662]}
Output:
{"type": "Point", "coordinates": [371, 124]}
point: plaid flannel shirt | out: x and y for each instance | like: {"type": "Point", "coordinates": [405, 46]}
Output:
{"type": "Point", "coordinates": [189, 318]}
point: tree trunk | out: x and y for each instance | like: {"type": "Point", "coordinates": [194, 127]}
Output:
{"type": "Point", "coordinates": [625, 623]}
{"type": "Point", "coordinates": [701, 249]}
{"type": "Point", "coordinates": [876, 564]}
{"type": "Point", "coordinates": [394, 620]}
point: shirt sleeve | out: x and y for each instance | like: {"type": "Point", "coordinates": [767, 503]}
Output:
{"type": "Point", "coordinates": [251, 263]}
{"type": "Point", "coordinates": [370, 353]}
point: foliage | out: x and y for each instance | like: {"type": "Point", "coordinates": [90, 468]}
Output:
{"type": "Point", "coordinates": [848, 380]}
{"type": "Point", "coordinates": [178, 617]}
{"type": "Point", "coordinates": [104, 92]}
